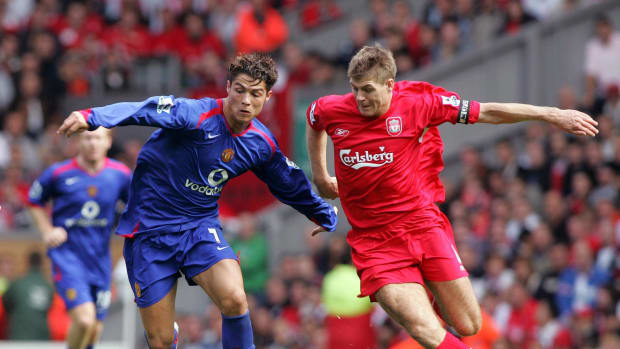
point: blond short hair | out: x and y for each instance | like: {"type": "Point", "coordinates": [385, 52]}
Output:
{"type": "Point", "coordinates": [375, 62]}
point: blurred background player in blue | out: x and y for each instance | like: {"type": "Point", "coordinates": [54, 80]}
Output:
{"type": "Point", "coordinates": [85, 191]}
{"type": "Point", "coordinates": [171, 221]}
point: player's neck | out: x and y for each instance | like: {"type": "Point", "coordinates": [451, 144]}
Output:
{"type": "Point", "coordinates": [90, 166]}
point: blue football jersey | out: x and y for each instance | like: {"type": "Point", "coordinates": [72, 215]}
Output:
{"type": "Point", "coordinates": [183, 167]}
{"type": "Point", "coordinates": [85, 205]}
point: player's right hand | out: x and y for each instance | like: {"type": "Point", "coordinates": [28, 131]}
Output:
{"type": "Point", "coordinates": [327, 187]}
{"type": "Point", "coordinates": [74, 123]}
{"type": "Point", "coordinates": [55, 237]}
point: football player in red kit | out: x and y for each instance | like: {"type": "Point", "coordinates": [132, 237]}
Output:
{"type": "Point", "coordinates": [387, 181]}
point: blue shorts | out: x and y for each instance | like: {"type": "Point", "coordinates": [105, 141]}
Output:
{"type": "Point", "coordinates": [68, 273]}
{"type": "Point", "coordinates": [154, 260]}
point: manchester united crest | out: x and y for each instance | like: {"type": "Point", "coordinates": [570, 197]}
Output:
{"type": "Point", "coordinates": [394, 125]}
{"type": "Point", "coordinates": [71, 294]}
{"type": "Point", "coordinates": [92, 190]}
{"type": "Point", "coordinates": [228, 155]}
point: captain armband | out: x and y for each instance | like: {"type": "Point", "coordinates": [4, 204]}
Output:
{"type": "Point", "coordinates": [463, 116]}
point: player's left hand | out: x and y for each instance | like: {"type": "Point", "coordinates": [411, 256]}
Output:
{"type": "Point", "coordinates": [74, 123]}
{"type": "Point", "coordinates": [321, 229]}
{"type": "Point", "coordinates": [576, 122]}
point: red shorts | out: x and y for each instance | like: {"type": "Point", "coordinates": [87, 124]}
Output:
{"type": "Point", "coordinates": [412, 252]}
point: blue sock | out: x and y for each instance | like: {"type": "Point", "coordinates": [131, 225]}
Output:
{"type": "Point", "coordinates": [237, 332]}
{"type": "Point", "coordinates": [89, 347]}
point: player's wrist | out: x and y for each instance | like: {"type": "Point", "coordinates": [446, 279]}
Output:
{"type": "Point", "coordinates": [321, 179]}
{"type": "Point", "coordinates": [553, 115]}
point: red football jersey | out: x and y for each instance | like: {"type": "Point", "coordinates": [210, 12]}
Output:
{"type": "Point", "coordinates": [385, 169]}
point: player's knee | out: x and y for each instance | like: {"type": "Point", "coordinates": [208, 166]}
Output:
{"type": "Point", "coordinates": [469, 325]}
{"type": "Point", "coordinates": [85, 321]}
{"type": "Point", "coordinates": [426, 332]}
{"type": "Point", "coordinates": [234, 303]}
{"type": "Point", "coordinates": [160, 340]}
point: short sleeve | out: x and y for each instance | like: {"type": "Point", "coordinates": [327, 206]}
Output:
{"type": "Point", "coordinates": [41, 189]}
{"type": "Point", "coordinates": [447, 106]}
{"type": "Point", "coordinates": [314, 115]}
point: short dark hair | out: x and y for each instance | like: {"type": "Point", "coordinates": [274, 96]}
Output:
{"type": "Point", "coordinates": [259, 66]}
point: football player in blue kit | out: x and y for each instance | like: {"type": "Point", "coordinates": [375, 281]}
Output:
{"type": "Point", "coordinates": [85, 191]}
{"type": "Point", "coordinates": [171, 221]}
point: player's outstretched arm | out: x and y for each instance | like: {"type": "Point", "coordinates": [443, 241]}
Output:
{"type": "Point", "coordinates": [316, 142]}
{"type": "Point", "coordinates": [289, 184]}
{"type": "Point", "coordinates": [571, 121]}
{"type": "Point", "coordinates": [52, 236]}
{"type": "Point", "coordinates": [159, 111]}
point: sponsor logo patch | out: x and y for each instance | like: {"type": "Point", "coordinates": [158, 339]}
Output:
{"type": "Point", "coordinates": [340, 132]}
{"type": "Point", "coordinates": [358, 160]}
{"type": "Point", "coordinates": [164, 105]}
{"type": "Point", "coordinates": [452, 100]}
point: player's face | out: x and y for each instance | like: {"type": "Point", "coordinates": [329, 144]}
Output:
{"type": "Point", "coordinates": [94, 145]}
{"type": "Point", "coordinates": [372, 97]}
{"type": "Point", "coordinates": [246, 97]}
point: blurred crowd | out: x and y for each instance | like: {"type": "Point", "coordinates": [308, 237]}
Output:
{"type": "Point", "coordinates": [535, 216]}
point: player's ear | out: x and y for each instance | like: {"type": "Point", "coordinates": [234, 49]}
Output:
{"type": "Point", "coordinates": [228, 86]}
{"type": "Point", "coordinates": [269, 93]}
{"type": "Point", "coordinates": [390, 84]}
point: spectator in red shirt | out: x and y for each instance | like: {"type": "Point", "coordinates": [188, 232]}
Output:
{"type": "Point", "coordinates": [77, 26]}
{"type": "Point", "coordinates": [261, 28]}
{"type": "Point", "coordinates": [195, 40]}
{"type": "Point", "coordinates": [521, 327]}
{"type": "Point", "coordinates": [128, 36]}
{"type": "Point", "coordinates": [163, 42]}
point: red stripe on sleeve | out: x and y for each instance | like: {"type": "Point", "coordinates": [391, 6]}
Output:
{"type": "Point", "coordinates": [204, 116]}
{"type": "Point", "coordinates": [86, 113]}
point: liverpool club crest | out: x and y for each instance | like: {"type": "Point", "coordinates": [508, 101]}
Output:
{"type": "Point", "coordinates": [394, 125]}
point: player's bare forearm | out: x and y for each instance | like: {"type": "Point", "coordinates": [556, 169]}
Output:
{"type": "Point", "coordinates": [317, 151]}
{"type": "Point", "coordinates": [317, 148]}
{"type": "Point", "coordinates": [571, 121]}
{"type": "Point", "coordinates": [40, 218]}
{"type": "Point", "coordinates": [52, 236]}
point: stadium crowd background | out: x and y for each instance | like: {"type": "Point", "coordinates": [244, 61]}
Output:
{"type": "Point", "coordinates": [535, 215]}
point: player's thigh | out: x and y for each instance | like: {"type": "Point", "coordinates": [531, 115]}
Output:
{"type": "Point", "coordinates": [223, 282]}
{"type": "Point", "coordinates": [458, 304]}
{"type": "Point", "coordinates": [158, 318]}
{"type": "Point", "coordinates": [408, 304]}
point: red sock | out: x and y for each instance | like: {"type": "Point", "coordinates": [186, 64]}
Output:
{"type": "Point", "coordinates": [451, 342]}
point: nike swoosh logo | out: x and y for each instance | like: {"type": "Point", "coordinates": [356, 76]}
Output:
{"type": "Point", "coordinates": [71, 181]}
{"type": "Point", "coordinates": [212, 136]}
{"type": "Point", "coordinates": [219, 248]}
